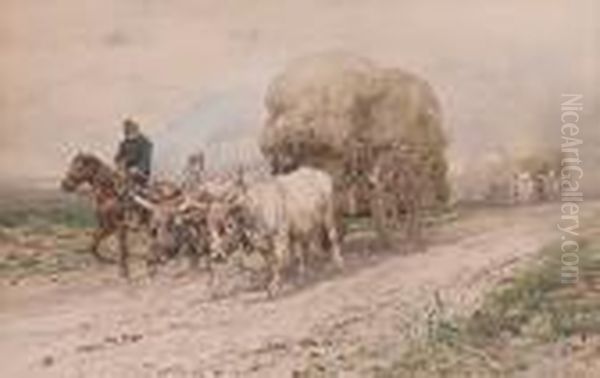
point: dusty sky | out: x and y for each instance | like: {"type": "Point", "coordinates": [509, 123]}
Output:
{"type": "Point", "coordinates": [193, 72]}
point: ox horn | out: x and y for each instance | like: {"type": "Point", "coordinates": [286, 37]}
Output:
{"type": "Point", "coordinates": [146, 204]}
{"type": "Point", "coordinates": [189, 203]}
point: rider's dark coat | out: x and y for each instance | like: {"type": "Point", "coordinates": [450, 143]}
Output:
{"type": "Point", "coordinates": [135, 153]}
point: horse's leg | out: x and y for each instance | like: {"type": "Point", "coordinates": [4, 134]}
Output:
{"type": "Point", "coordinates": [152, 262]}
{"type": "Point", "coordinates": [193, 252]}
{"type": "Point", "coordinates": [99, 235]}
{"type": "Point", "coordinates": [123, 263]}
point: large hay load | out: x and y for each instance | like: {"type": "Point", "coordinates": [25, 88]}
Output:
{"type": "Point", "coordinates": [342, 113]}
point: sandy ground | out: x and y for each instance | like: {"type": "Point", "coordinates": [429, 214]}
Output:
{"type": "Point", "coordinates": [93, 325]}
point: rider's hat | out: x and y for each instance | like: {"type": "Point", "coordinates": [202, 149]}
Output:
{"type": "Point", "coordinates": [130, 125]}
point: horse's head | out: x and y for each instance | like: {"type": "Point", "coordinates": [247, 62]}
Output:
{"type": "Point", "coordinates": [82, 169]}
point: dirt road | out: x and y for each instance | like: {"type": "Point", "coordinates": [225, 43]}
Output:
{"type": "Point", "coordinates": [94, 326]}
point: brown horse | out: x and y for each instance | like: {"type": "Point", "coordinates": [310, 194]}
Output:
{"type": "Point", "coordinates": [109, 205]}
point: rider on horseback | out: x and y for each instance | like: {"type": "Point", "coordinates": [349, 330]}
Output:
{"type": "Point", "coordinates": [133, 161]}
{"type": "Point", "coordinates": [134, 156]}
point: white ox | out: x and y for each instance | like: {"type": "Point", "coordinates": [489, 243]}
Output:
{"type": "Point", "coordinates": [280, 217]}
{"type": "Point", "coordinates": [529, 188]}
{"type": "Point", "coordinates": [523, 188]}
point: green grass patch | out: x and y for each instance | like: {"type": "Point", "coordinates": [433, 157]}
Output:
{"type": "Point", "coordinates": [25, 265]}
{"type": "Point", "coordinates": [39, 215]}
{"type": "Point", "coordinates": [536, 303]}
{"type": "Point", "coordinates": [532, 309]}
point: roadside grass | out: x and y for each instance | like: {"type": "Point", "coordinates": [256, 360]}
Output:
{"type": "Point", "coordinates": [530, 310]}
{"type": "Point", "coordinates": [18, 266]}
{"type": "Point", "coordinates": [41, 215]}
{"type": "Point", "coordinates": [42, 232]}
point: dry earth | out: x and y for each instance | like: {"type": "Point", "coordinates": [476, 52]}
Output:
{"type": "Point", "coordinates": [92, 325]}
